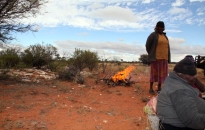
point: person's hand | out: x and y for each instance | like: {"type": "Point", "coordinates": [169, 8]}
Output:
{"type": "Point", "coordinates": [199, 84]}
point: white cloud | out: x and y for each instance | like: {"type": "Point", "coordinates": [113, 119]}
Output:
{"type": "Point", "coordinates": [175, 10]}
{"type": "Point", "coordinates": [201, 22]}
{"type": "Point", "coordinates": [121, 39]}
{"type": "Point", "coordinates": [83, 34]}
{"type": "Point", "coordinates": [147, 1]}
{"type": "Point", "coordinates": [178, 3]}
{"type": "Point", "coordinates": [114, 13]}
{"type": "Point", "coordinates": [179, 15]}
{"type": "Point", "coordinates": [81, 22]}
{"type": "Point", "coordinates": [197, 0]}
{"type": "Point", "coordinates": [200, 11]}
{"type": "Point", "coordinates": [189, 21]}
{"type": "Point", "coordinates": [109, 46]}
{"type": "Point", "coordinates": [130, 52]}
{"type": "Point", "coordinates": [123, 50]}
{"type": "Point", "coordinates": [180, 46]}
{"type": "Point", "coordinates": [173, 30]}
{"type": "Point", "coordinates": [95, 6]}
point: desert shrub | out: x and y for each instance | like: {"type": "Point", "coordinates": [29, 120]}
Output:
{"type": "Point", "coordinates": [79, 79]}
{"type": "Point", "coordinates": [9, 58]}
{"type": "Point", "coordinates": [57, 65]}
{"type": "Point", "coordinates": [68, 74]}
{"type": "Point", "coordinates": [39, 55]}
{"type": "Point", "coordinates": [71, 74]}
{"type": "Point", "coordinates": [91, 60]}
{"type": "Point", "coordinates": [82, 59]}
{"type": "Point", "coordinates": [4, 75]}
{"type": "Point", "coordinates": [65, 75]}
{"type": "Point", "coordinates": [21, 65]}
{"type": "Point", "coordinates": [53, 66]}
{"type": "Point", "coordinates": [144, 59]}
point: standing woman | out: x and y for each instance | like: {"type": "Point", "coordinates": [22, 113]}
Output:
{"type": "Point", "coordinates": [158, 49]}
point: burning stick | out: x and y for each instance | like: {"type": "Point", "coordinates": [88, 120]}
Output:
{"type": "Point", "coordinates": [121, 78]}
{"type": "Point", "coordinates": [122, 75]}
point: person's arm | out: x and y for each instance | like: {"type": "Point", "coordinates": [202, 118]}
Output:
{"type": "Point", "coordinates": [200, 85]}
{"type": "Point", "coordinates": [184, 103]}
{"type": "Point", "coordinates": [149, 44]}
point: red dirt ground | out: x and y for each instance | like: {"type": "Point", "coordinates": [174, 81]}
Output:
{"type": "Point", "coordinates": [60, 105]}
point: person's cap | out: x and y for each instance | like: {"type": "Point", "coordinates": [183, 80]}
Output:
{"type": "Point", "coordinates": [160, 24]}
{"type": "Point", "coordinates": [185, 66]}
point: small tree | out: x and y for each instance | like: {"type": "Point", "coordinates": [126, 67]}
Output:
{"type": "Point", "coordinates": [91, 59]}
{"type": "Point", "coordinates": [39, 55]}
{"type": "Point", "coordinates": [11, 11]}
{"type": "Point", "coordinates": [144, 59]}
{"type": "Point", "coordinates": [78, 60]}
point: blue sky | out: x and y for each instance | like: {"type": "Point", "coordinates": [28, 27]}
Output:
{"type": "Point", "coordinates": [118, 28]}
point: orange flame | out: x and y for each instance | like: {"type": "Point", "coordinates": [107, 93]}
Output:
{"type": "Point", "coordinates": [122, 75]}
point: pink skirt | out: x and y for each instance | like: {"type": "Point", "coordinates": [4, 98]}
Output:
{"type": "Point", "coordinates": [158, 71]}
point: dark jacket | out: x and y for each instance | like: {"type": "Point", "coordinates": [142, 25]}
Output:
{"type": "Point", "coordinates": [151, 45]}
{"type": "Point", "coordinates": [178, 104]}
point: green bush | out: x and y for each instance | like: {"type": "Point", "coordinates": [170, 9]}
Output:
{"type": "Point", "coordinates": [68, 74]}
{"type": "Point", "coordinates": [4, 75]}
{"type": "Point", "coordinates": [57, 65]}
{"type": "Point", "coordinates": [53, 66]}
{"type": "Point", "coordinates": [9, 58]}
{"type": "Point", "coordinates": [39, 55]}
{"type": "Point", "coordinates": [91, 59]}
{"type": "Point", "coordinates": [82, 59]}
{"type": "Point", "coordinates": [144, 59]}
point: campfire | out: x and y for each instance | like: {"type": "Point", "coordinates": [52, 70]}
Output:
{"type": "Point", "coordinates": [121, 78]}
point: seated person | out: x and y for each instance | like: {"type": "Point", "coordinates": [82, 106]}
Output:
{"type": "Point", "coordinates": [179, 106]}
{"type": "Point", "coordinates": [198, 84]}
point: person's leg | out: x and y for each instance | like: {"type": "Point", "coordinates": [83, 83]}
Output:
{"type": "Point", "coordinates": [163, 69]}
{"type": "Point", "coordinates": [159, 87]}
{"type": "Point", "coordinates": [153, 73]}
{"type": "Point", "coordinates": [151, 91]}
{"type": "Point", "coordinates": [163, 126]}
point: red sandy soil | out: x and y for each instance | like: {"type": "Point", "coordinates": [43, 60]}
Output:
{"type": "Point", "coordinates": [60, 105]}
